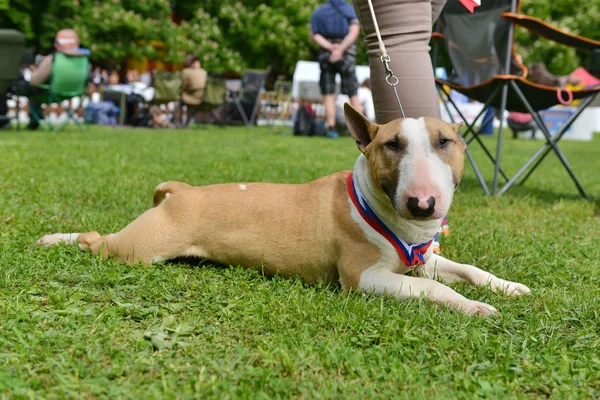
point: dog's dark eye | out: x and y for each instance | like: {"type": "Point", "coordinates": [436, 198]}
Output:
{"type": "Point", "coordinates": [393, 145]}
{"type": "Point", "coordinates": [445, 142]}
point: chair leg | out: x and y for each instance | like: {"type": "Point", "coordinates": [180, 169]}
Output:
{"type": "Point", "coordinates": [238, 103]}
{"type": "Point", "coordinates": [476, 136]}
{"type": "Point", "coordinates": [478, 173]}
{"type": "Point", "coordinates": [551, 144]}
{"type": "Point", "coordinates": [584, 104]}
{"type": "Point", "coordinates": [39, 118]}
{"type": "Point", "coordinates": [18, 114]}
{"type": "Point", "coordinates": [499, 145]}
{"type": "Point", "coordinates": [71, 114]}
{"type": "Point", "coordinates": [471, 129]}
{"type": "Point", "coordinates": [60, 126]}
{"type": "Point", "coordinates": [255, 109]}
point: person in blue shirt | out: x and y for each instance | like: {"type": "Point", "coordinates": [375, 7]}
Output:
{"type": "Point", "coordinates": [334, 27]}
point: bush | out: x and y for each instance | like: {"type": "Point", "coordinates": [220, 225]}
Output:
{"type": "Point", "coordinates": [235, 34]}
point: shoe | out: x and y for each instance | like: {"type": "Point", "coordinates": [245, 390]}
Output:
{"type": "Point", "coordinates": [32, 126]}
{"type": "Point", "coordinates": [332, 135]}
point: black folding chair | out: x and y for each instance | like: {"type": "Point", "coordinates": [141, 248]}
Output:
{"type": "Point", "coordinates": [247, 100]}
{"type": "Point", "coordinates": [481, 50]}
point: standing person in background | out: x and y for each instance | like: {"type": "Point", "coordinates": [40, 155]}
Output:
{"type": "Point", "coordinates": [405, 27]}
{"type": "Point", "coordinates": [334, 27]}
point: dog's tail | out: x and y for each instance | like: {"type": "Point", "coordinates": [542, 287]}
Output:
{"type": "Point", "coordinates": [163, 190]}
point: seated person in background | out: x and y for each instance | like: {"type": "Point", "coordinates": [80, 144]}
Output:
{"type": "Point", "coordinates": [114, 78]}
{"type": "Point", "coordinates": [146, 78]}
{"type": "Point", "coordinates": [66, 42]}
{"type": "Point", "coordinates": [521, 122]}
{"type": "Point", "coordinates": [96, 79]}
{"type": "Point", "coordinates": [193, 81]}
{"type": "Point", "coordinates": [132, 76]}
{"type": "Point", "coordinates": [27, 71]}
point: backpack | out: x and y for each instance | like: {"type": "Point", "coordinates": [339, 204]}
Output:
{"type": "Point", "coordinates": [305, 121]}
{"type": "Point", "coordinates": [102, 113]}
{"type": "Point", "coordinates": [143, 118]}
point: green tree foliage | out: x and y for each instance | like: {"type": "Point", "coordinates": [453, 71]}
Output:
{"type": "Point", "coordinates": [255, 34]}
{"type": "Point", "coordinates": [236, 34]}
{"type": "Point", "coordinates": [16, 14]}
{"type": "Point", "coordinates": [582, 18]}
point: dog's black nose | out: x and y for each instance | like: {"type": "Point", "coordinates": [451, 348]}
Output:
{"type": "Point", "coordinates": [420, 209]}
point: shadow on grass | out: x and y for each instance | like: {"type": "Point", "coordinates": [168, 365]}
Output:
{"type": "Point", "coordinates": [196, 262]}
{"type": "Point", "coordinates": [472, 185]}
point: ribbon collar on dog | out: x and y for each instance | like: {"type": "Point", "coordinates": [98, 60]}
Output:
{"type": "Point", "coordinates": [411, 255]}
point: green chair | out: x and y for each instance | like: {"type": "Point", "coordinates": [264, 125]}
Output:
{"type": "Point", "coordinates": [167, 86]}
{"type": "Point", "coordinates": [68, 80]}
{"type": "Point", "coordinates": [167, 89]}
{"type": "Point", "coordinates": [214, 100]}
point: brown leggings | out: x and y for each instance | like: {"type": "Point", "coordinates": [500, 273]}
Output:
{"type": "Point", "coordinates": [405, 27]}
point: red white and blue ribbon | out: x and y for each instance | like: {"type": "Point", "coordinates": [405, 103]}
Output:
{"type": "Point", "coordinates": [411, 255]}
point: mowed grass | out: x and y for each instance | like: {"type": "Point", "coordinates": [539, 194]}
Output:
{"type": "Point", "coordinates": [76, 326]}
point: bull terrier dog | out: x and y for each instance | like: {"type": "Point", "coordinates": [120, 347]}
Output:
{"type": "Point", "coordinates": [365, 229]}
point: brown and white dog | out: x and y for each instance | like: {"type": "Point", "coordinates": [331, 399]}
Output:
{"type": "Point", "coordinates": [364, 229]}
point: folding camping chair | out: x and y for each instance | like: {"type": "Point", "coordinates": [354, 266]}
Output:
{"type": "Point", "coordinates": [275, 105]}
{"type": "Point", "coordinates": [481, 49]}
{"type": "Point", "coordinates": [214, 100]}
{"type": "Point", "coordinates": [247, 100]}
{"type": "Point", "coordinates": [68, 80]}
{"type": "Point", "coordinates": [167, 89]}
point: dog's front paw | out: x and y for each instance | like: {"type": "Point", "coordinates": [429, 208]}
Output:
{"type": "Point", "coordinates": [55, 238]}
{"type": "Point", "coordinates": [510, 288]}
{"type": "Point", "coordinates": [478, 308]}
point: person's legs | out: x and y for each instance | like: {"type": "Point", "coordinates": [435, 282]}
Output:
{"type": "Point", "coordinates": [347, 69]}
{"type": "Point", "coordinates": [329, 103]}
{"type": "Point", "coordinates": [405, 27]}
{"type": "Point", "coordinates": [327, 85]}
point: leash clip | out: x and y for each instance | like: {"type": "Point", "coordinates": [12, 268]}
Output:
{"type": "Point", "coordinates": [390, 78]}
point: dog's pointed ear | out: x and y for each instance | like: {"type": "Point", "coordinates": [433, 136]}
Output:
{"type": "Point", "coordinates": [456, 128]}
{"type": "Point", "coordinates": [360, 127]}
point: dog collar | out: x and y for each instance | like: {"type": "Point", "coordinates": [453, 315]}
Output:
{"type": "Point", "coordinates": [411, 255]}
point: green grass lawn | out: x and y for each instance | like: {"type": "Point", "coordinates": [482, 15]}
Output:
{"type": "Point", "coordinates": [76, 326]}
